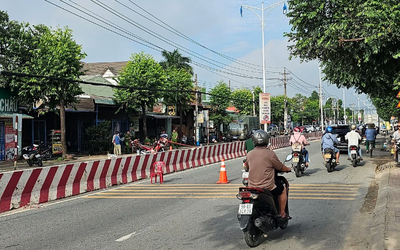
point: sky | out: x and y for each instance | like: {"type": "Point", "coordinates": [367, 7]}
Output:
{"type": "Point", "coordinates": [222, 44]}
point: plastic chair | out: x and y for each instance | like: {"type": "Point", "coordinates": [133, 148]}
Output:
{"type": "Point", "coordinates": [158, 169]}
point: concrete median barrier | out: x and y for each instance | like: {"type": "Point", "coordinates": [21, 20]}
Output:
{"type": "Point", "coordinates": [39, 185]}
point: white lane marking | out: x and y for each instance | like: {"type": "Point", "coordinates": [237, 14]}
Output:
{"type": "Point", "coordinates": [123, 238]}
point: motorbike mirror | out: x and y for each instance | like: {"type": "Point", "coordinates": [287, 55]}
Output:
{"type": "Point", "coordinates": [289, 157]}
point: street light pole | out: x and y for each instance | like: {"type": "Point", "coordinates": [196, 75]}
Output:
{"type": "Point", "coordinates": [262, 19]}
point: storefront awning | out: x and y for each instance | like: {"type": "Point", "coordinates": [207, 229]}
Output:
{"type": "Point", "coordinates": [106, 101]}
{"type": "Point", "coordinates": [4, 115]}
{"type": "Point", "coordinates": [160, 116]}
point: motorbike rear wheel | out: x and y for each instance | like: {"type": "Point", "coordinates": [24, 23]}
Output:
{"type": "Point", "coordinates": [39, 162]}
{"type": "Point", "coordinates": [253, 235]}
{"type": "Point", "coordinates": [297, 170]}
{"type": "Point", "coordinates": [354, 161]}
{"type": "Point", "coordinates": [29, 163]}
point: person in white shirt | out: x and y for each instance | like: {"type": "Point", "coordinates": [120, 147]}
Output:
{"type": "Point", "coordinates": [395, 138]}
{"type": "Point", "coordinates": [353, 138]}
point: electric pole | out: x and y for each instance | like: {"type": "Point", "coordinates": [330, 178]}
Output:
{"type": "Point", "coordinates": [196, 113]}
{"type": "Point", "coordinates": [285, 101]}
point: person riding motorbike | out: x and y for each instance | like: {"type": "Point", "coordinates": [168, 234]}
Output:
{"type": "Point", "coordinates": [298, 137]}
{"type": "Point", "coordinates": [353, 138]}
{"type": "Point", "coordinates": [328, 141]}
{"type": "Point", "coordinates": [395, 138]}
{"type": "Point", "coordinates": [262, 163]}
{"type": "Point", "coordinates": [370, 136]}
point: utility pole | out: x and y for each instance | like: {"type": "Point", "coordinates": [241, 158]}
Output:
{"type": "Point", "coordinates": [320, 99]}
{"type": "Point", "coordinates": [285, 101]}
{"type": "Point", "coordinates": [254, 104]}
{"type": "Point", "coordinates": [196, 113]}
{"type": "Point", "coordinates": [344, 108]}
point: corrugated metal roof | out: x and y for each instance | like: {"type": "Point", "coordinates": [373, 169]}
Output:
{"type": "Point", "coordinates": [10, 115]}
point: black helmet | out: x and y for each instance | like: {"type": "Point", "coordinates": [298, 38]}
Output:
{"type": "Point", "coordinates": [260, 138]}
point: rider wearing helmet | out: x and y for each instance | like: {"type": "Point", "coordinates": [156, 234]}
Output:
{"type": "Point", "coordinates": [262, 164]}
{"type": "Point", "coordinates": [297, 137]}
{"type": "Point", "coordinates": [328, 141]}
{"type": "Point", "coordinates": [353, 138]}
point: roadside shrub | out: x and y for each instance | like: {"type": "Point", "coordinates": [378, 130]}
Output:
{"type": "Point", "coordinates": [99, 138]}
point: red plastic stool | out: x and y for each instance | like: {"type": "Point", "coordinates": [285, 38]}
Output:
{"type": "Point", "coordinates": [158, 169]}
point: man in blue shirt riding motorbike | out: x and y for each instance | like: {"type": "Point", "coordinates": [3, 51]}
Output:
{"type": "Point", "coordinates": [328, 140]}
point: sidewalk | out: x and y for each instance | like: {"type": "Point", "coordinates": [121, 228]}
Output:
{"type": "Point", "coordinates": [385, 228]}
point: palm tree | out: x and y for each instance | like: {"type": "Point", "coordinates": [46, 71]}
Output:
{"type": "Point", "coordinates": [175, 59]}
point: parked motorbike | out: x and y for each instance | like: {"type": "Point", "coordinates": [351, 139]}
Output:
{"type": "Point", "coordinates": [330, 159]}
{"type": "Point", "coordinates": [298, 160]}
{"type": "Point", "coordinates": [45, 152]}
{"type": "Point", "coordinates": [159, 146]}
{"type": "Point", "coordinates": [258, 213]}
{"type": "Point", "coordinates": [355, 157]}
{"type": "Point", "coordinates": [32, 156]}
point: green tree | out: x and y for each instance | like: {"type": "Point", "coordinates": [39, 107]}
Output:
{"type": "Point", "coordinates": [219, 102]}
{"type": "Point", "coordinates": [357, 42]}
{"type": "Point", "coordinates": [180, 81]}
{"type": "Point", "coordinates": [142, 74]}
{"type": "Point", "coordinates": [243, 101]}
{"type": "Point", "coordinates": [277, 108]}
{"type": "Point", "coordinates": [57, 56]}
{"type": "Point", "coordinates": [296, 106]}
{"type": "Point", "coordinates": [175, 59]}
{"type": "Point", "coordinates": [16, 46]}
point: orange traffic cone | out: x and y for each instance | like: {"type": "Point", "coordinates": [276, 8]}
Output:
{"type": "Point", "coordinates": [170, 146]}
{"type": "Point", "coordinates": [222, 174]}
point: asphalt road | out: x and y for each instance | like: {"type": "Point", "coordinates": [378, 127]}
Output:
{"type": "Point", "coordinates": [190, 211]}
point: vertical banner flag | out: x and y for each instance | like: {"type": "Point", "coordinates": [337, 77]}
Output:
{"type": "Point", "coordinates": [284, 8]}
{"type": "Point", "coordinates": [265, 108]}
{"type": "Point", "coordinates": [241, 11]}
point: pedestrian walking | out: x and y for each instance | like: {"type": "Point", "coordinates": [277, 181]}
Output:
{"type": "Point", "coordinates": [117, 143]}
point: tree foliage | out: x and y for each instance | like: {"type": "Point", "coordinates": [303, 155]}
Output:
{"type": "Point", "coordinates": [357, 42]}
{"type": "Point", "coordinates": [242, 99]}
{"type": "Point", "coordinates": [143, 72]}
{"type": "Point", "coordinates": [175, 60]}
{"type": "Point", "coordinates": [179, 79]}
{"type": "Point", "coordinates": [220, 101]}
{"type": "Point", "coordinates": [55, 55]}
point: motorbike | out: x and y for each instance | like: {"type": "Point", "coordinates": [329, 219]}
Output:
{"type": "Point", "coordinates": [355, 157]}
{"type": "Point", "coordinates": [330, 159]}
{"type": "Point", "coordinates": [159, 146]}
{"type": "Point", "coordinates": [397, 153]}
{"type": "Point", "coordinates": [298, 160]}
{"type": "Point", "coordinates": [45, 152]}
{"type": "Point", "coordinates": [32, 156]}
{"type": "Point", "coordinates": [258, 212]}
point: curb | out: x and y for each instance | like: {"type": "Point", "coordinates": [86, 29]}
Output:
{"type": "Point", "coordinates": [378, 224]}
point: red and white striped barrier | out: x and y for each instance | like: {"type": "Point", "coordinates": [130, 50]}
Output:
{"type": "Point", "coordinates": [39, 185]}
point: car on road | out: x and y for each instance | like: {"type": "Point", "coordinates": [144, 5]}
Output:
{"type": "Point", "coordinates": [340, 131]}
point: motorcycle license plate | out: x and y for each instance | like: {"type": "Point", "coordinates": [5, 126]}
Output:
{"type": "Point", "coordinates": [327, 156]}
{"type": "Point", "coordinates": [296, 159]}
{"type": "Point", "coordinates": [246, 208]}
{"type": "Point", "coordinates": [245, 175]}
{"type": "Point", "coordinates": [353, 152]}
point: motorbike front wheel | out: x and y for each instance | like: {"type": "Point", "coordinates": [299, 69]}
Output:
{"type": "Point", "coordinates": [329, 167]}
{"type": "Point", "coordinates": [29, 163]}
{"type": "Point", "coordinates": [253, 235]}
{"type": "Point", "coordinates": [39, 162]}
{"type": "Point", "coordinates": [297, 170]}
